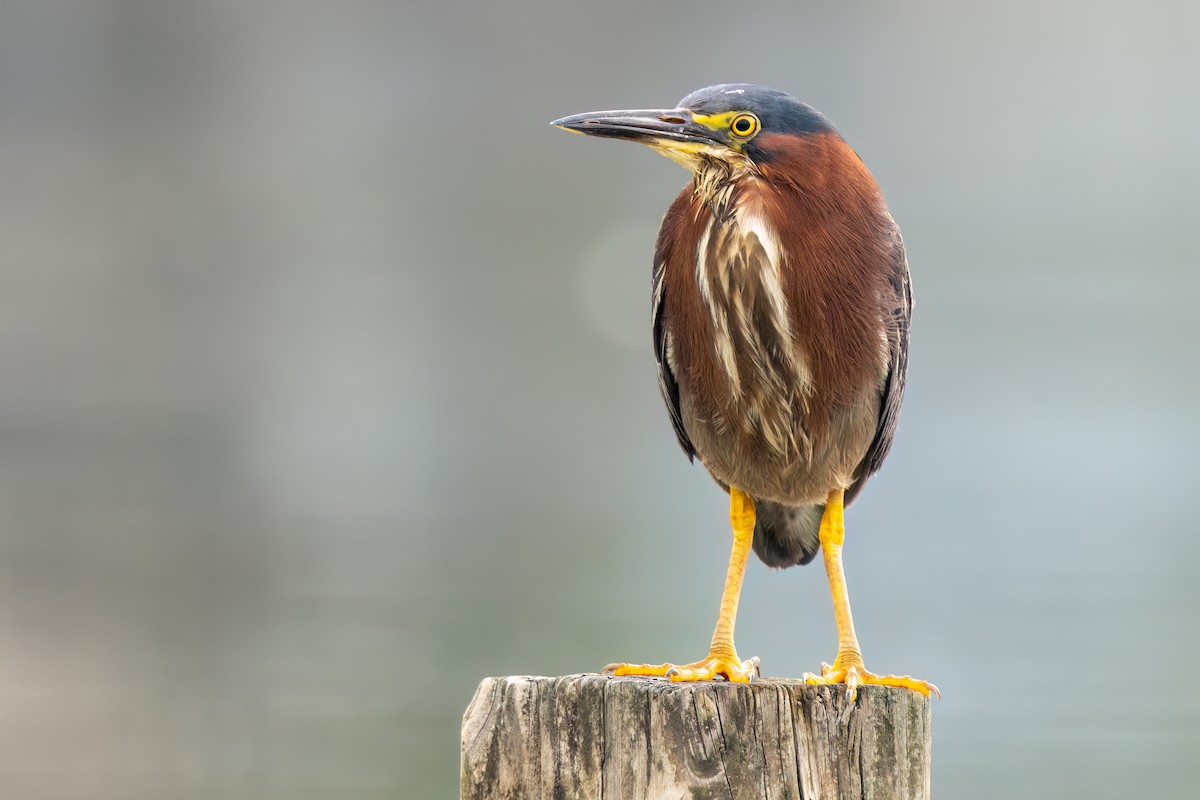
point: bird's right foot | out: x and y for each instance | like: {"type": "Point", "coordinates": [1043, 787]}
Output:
{"type": "Point", "coordinates": [730, 668]}
{"type": "Point", "coordinates": [722, 657]}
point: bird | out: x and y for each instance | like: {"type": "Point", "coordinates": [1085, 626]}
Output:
{"type": "Point", "coordinates": [781, 305]}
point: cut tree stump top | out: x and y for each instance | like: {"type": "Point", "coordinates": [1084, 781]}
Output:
{"type": "Point", "coordinates": [593, 736]}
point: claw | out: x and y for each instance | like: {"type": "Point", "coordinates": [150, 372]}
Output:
{"type": "Point", "coordinates": [757, 663]}
{"type": "Point", "coordinates": [856, 675]}
{"type": "Point", "coordinates": [731, 669]}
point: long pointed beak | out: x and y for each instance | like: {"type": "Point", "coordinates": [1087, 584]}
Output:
{"type": "Point", "coordinates": [659, 127]}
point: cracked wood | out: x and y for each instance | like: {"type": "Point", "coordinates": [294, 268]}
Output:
{"type": "Point", "coordinates": [591, 736]}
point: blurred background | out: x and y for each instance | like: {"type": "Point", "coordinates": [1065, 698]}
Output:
{"type": "Point", "coordinates": [328, 389]}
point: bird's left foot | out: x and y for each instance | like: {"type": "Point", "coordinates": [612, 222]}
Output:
{"type": "Point", "coordinates": [853, 674]}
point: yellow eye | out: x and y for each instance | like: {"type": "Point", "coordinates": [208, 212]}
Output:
{"type": "Point", "coordinates": [744, 126]}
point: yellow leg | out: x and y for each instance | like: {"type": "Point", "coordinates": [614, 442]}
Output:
{"type": "Point", "coordinates": [722, 657]}
{"type": "Point", "coordinates": [848, 667]}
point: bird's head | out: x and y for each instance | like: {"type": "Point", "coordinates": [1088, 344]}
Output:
{"type": "Point", "coordinates": [736, 124]}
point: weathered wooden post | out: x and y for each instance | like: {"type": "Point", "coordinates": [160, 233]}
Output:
{"type": "Point", "coordinates": [592, 736]}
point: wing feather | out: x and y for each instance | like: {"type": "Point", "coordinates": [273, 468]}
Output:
{"type": "Point", "coordinates": [898, 311]}
{"type": "Point", "coordinates": [667, 384]}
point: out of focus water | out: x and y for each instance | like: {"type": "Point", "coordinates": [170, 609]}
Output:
{"type": "Point", "coordinates": [328, 388]}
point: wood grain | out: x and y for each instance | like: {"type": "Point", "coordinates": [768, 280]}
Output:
{"type": "Point", "coordinates": [592, 736]}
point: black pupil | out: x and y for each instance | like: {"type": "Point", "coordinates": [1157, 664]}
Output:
{"type": "Point", "coordinates": [742, 125]}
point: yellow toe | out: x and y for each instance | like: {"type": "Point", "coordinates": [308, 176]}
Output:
{"type": "Point", "coordinates": [854, 675]}
{"type": "Point", "coordinates": [731, 669]}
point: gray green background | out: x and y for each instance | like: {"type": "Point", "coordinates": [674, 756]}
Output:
{"type": "Point", "coordinates": [327, 386]}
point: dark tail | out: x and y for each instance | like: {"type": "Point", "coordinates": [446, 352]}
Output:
{"type": "Point", "coordinates": [785, 536]}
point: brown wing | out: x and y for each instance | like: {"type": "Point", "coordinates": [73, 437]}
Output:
{"type": "Point", "coordinates": [898, 311]}
{"type": "Point", "coordinates": [667, 384]}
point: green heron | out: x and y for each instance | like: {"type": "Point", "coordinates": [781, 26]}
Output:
{"type": "Point", "coordinates": [781, 307]}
